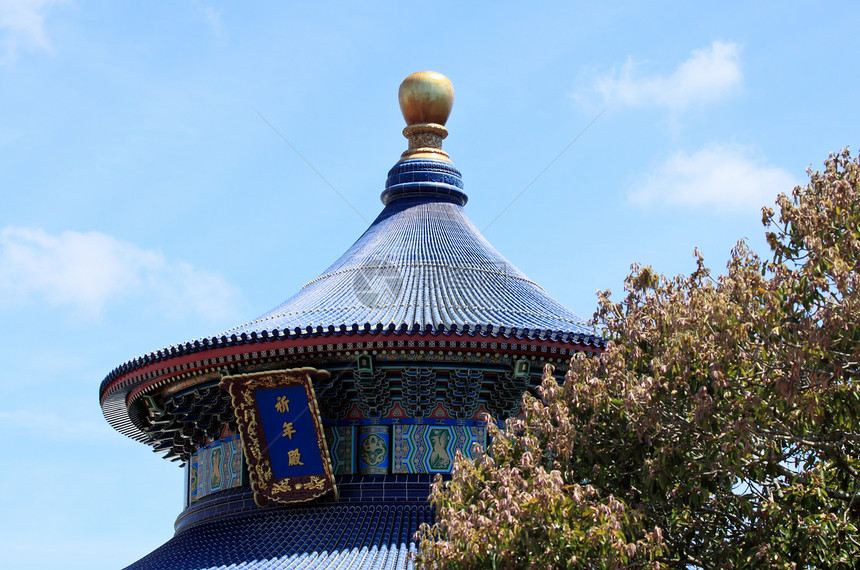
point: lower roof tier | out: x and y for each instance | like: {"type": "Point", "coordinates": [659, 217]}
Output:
{"type": "Point", "coordinates": [355, 536]}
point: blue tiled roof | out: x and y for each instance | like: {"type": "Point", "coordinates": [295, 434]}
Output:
{"type": "Point", "coordinates": [356, 536]}
{"type": "Point", "coordinates": [422, 262]}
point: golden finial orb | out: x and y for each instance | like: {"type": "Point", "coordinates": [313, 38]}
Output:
{"type": "Point", "coordinates": [426, 97]}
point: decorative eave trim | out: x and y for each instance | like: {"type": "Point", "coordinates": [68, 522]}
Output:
{"type": "Point", "coordinates": [127, 382]}
{"type": "Point", "coordinates": [224, 342]}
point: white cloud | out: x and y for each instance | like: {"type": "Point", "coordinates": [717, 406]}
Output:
{"type": "Point", "coordinates": [87, 271]}
{"type": "Point", "coordinates": [212, 16]}
{"type": "Point", "coordinates": [720, 176]}
{"type": "Point", "coordinates": [22, 25]}
{"type": "Point", "coordinates": [709, 75]}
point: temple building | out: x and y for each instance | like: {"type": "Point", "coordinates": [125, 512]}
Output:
{"type": "Point", "coordinates": [310, 436]}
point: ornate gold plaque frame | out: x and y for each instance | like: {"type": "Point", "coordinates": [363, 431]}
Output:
{"type": "Point", "coordinates": [271, 477]}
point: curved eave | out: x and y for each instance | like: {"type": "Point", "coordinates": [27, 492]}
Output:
{"type": "Point", "coordinates": [119, 389]}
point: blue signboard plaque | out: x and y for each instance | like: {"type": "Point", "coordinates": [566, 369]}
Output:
{"type": "Point", "coordinates": [282, 434]}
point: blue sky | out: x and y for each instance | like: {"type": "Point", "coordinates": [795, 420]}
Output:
{"type": "Point", "coordinates": [146, 202]}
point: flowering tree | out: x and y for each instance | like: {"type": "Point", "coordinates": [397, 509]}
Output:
{"type": "Point", "coordinates": [719, 429]}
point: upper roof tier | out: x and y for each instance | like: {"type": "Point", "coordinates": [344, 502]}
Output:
{"type": "Point", "coordinates": [421, 262]}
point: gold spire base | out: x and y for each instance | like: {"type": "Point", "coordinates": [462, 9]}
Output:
{"type": "Point", "coordinates": [425, 142]}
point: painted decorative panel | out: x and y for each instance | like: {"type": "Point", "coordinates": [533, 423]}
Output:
{"type": "Point", "coordinates": [374, 449]}
{"type": "Point", "coordinates": [341, 442]}
{"type": "Point", "coordinates": [215, 467]}
{"type": "Point", "coordinates": [427, 448]}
